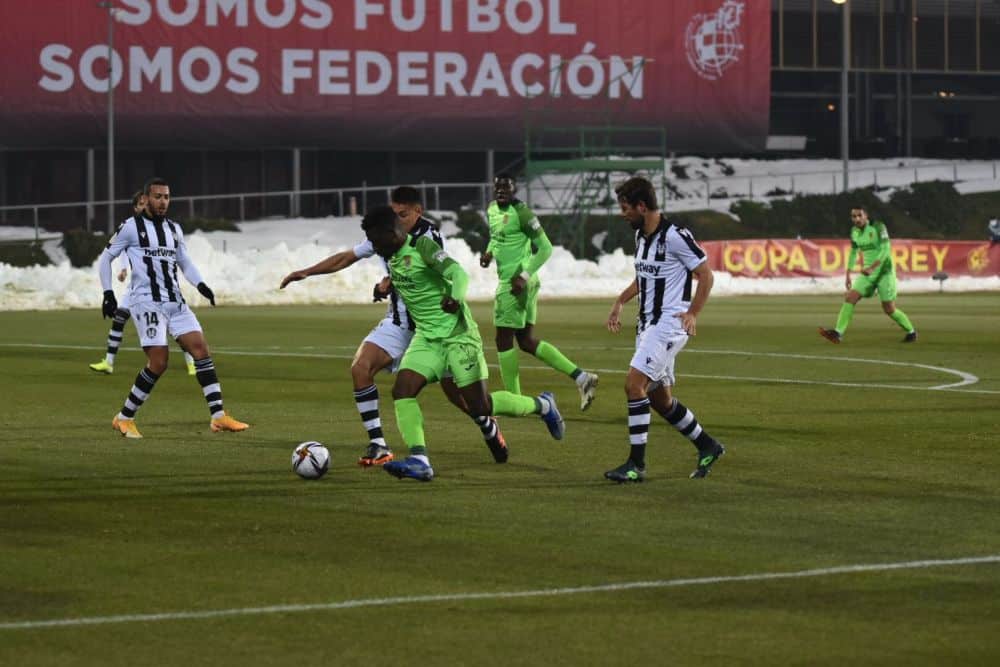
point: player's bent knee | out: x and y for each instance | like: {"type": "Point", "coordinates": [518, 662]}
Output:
{"type": "Point", "coordinates": [479, 405]}
{"type": "Point", "coordinates": [157, 367]}
{"type": "Point", "coordinates": [197, 352]}
{"type": "Point", "coordinates": [527, 344]}
{"type": "Point", "coordinates": [635, 390]}
{"type": "Point", "coordinates": [399, 392]}
{"type": "Point", "coordinates": [361, 371]}
{"type": "Point", "coordinates": [407, 385]}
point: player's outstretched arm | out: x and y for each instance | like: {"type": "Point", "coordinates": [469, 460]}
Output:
{"type": "Point", "coordinates": [331, 264]}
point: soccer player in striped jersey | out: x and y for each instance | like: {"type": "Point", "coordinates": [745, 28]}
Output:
{"type": "Point", "coordinates": [878, 274]}
{"type": "Point", "coordinates": [520, 247]}
{"type": "Point", "coordinates": [122, 315]}
{"type": "Point", "coordinates": [155, 248]}
{"type": "Point", "coordinates": [384, 346]}
{"type": "Point", "coordinates": [667, 260]}
{"type": "Point", "coordinates": [446, 341]}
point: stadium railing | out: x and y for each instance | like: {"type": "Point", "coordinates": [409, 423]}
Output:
{"type": "Point", "coordinates": [454, 196]}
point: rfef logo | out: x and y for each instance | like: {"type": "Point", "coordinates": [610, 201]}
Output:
{"type": "Point", "coordinates": [713, 42]}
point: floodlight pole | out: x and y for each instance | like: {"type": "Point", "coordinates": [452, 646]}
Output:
{"type": "Point", "coordinates": [845, 110]}
{"type": "Point", "coordinates": [110, 6]}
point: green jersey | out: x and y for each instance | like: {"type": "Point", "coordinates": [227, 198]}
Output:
{"type": "Point", "coordinates": [872, 241]}
{"type": "Point", "coordinates": [513, 228]}
{"type": "Point", "coordinates": [423, 274]}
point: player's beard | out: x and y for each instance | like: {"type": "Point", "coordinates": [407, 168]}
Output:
{"type": "Point", "coordinates": [636, 224]}
{"type": "Point", "coordinates": [152, 215]}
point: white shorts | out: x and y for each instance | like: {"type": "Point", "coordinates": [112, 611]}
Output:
{"type": "Point", "coordinates": [155, 320]}
{"type": "Point", "coordinates": [126, 300]}
{"type": "Point", "coordinates": [392, 338]}
{"type": "Point", "coordinates": [655, 351]}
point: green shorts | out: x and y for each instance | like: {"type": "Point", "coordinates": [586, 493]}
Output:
{"type": "Point", "coordinates": [461, 354]}
{"type": "Point", "coordinates": [884, 284]}
{"type": "Point", "coordinates": [516, 312]}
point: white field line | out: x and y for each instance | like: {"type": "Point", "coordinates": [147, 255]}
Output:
{"type": "Point", "coordinates": [495, 595]}
{"type": "Point", "coordinates": [965, 378]}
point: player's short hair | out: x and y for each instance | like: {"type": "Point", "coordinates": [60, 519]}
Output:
{"type": "Point", "coordinates": [155, 180]}
{"type": "Point", "coordinates": [504, 176]}
{"type": "Point", "coordinates": [379, 220]}
{"type": "Point", "coordinates": [406, 194]}
{"type": "Point", "coordinates": [136, 197]}
{"type": "Point", "coordinates": [635, 190]}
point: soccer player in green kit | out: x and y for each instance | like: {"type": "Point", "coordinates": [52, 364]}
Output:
{"type": "Point", "coordinates": [877, 275]}
{"type": "Point", "coordinates": [520, 247]}
{"type": "Point", "coordinates": [433, 287]}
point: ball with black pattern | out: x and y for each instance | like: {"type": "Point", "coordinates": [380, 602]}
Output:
{"type": "Point", "coordinates": [310, 460]}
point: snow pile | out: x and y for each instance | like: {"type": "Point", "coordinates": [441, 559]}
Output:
{"type": "Point", "coordinates": [246, 268]}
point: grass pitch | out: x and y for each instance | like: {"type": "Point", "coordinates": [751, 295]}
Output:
{"type": "Point", "coordinates": [867, 453]}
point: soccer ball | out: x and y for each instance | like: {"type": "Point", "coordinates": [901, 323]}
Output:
{"type": "Point", "coordinates": [311, 460]}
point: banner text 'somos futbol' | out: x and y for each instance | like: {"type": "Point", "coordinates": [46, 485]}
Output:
{"type": "Point", "coordinates": [389, 72]}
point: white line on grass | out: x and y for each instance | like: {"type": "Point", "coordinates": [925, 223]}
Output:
{"type": "Point", "coordinates": [966, 378]}
{"type": "Point", "coordinates": [497, 595]}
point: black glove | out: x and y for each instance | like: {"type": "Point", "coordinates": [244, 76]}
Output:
{"type": "Point", "coordinates": [379, 295]}
{"type": "Point", "coordinates": [110, 304]}
{"type": "Point", "coordinates": [449, 305]}
{"type": "Point", "coordinates": [204, 290]}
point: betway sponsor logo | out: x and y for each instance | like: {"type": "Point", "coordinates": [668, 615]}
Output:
{"type": "Point", "coordinates": [159, 252]}
{"type": "Point", "coordinates": [645, 267]}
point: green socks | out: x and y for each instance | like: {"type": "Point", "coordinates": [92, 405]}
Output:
{"type": "Point", "coordinates": [844, 318]}
{"type": "Point", "coordinates": [549, 354]}
{"type": "Point", "coordinates": [512, 405]}
{"type": "Point", "coordinates": [509, 370]}
{"type": "Point", "coordinates": [900, 318]}
{"type": "Point", "coordinates": [847, 312]}
{"type": "Point", "coordinates": [411, 422]}
{"type": "Point", "coordinates": [554, 358]}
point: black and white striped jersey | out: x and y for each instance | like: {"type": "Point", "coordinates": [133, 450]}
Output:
{"type": "Point", "coordinates": [155, 250]}
{"type": "Point", "coordinates": [396, 310]}
{"type": "Point", "coordinates": [664, 261]}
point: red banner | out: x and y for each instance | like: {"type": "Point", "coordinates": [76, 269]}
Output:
{"type": "Point", "coordinates": [784, 258]}
{"type": "Point", "coordinates": [383, 73]}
